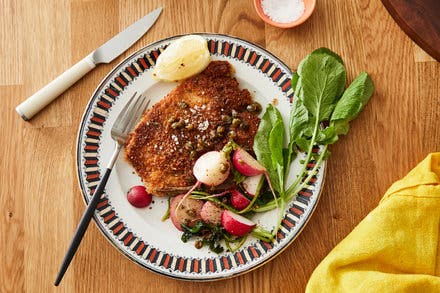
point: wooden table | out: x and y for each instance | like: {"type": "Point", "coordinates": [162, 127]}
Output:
{"type": "Point", "coordinates": [40, 200]}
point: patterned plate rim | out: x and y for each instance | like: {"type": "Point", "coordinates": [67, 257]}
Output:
{"type": "Point", "coordinates": [111, 92]}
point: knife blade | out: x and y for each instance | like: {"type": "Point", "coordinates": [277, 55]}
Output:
{"type": "Point", "coordinates": [104, 54]}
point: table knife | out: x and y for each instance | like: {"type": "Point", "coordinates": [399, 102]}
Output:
{"type": "Point", "coordinates": [104, 54]}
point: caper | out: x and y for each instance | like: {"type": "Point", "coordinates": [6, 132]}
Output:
{"type": "Point", "coordinates": [177, 125]}
{"type": "Point", "coordinates": [244, 126]}
{"type": "Point", "coordinates": [234, 113]}
{"type": "Point", "coordinates": [198, 244]}
{"type": "Point", "coordinates": [232, 134]}
{"type": "Point", "coordinates": [200, 145]}
{"type": "Point", "coordinates": [251, 108]}
{"type": "Point", "coordinates": [220, 129]}
{"type": "Point", "coordinates": [235, 122]}
{"type": "Point", "coordinates": [254, 107]}
{"type": "Point", "coordinates": [183, 105]}
{"type": "Point", "coordinates": [258, 107]}
{"type": "Point", "coordinates": [224, 168]}
{"type": "Point", "coordinates": [191, 212]}
{"type": "Point", "coordinates": [226, 119]}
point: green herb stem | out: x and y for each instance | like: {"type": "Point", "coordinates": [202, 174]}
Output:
{"type": "Point", "coordinates": [310, 175]}
{"type": "Point", "coordinates": [167, 212]}
{"type": "Point", "coordinates": [237, 246]}
{"type": "Point", "coordinates": [267, 207]}
{"type": "Point", "coordinates": [280, 217]}
{"type": "Point", "coordinates": [262, 234]}
{"type": "Point", "coordinates": [306, 161]}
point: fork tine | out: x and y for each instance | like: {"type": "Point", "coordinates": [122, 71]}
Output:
{"type": "Point", "coordinates": [125, 119]}
{"type": "Point", "coordinates": [125, 110]}
{"type": "Point", "coordinates": [137, 113]}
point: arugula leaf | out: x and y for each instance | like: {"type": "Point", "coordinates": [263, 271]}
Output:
{"type": "Point", "coordinates": [262, 147]}
{"type": "Point", "coordinates": [322, 79]}
{"type": "Point", "coordinates": [276, 143]}
{"type": "Point", "coordinates": [354, 99]}
{"type": "Point", "coordinates": [327, 135]}
{"type": "Point", "coordinates": [327, 51]}
{"type": "Point", "coordinates": [294, 81]}
{"type": "Point", "coordinates": [299, 119]}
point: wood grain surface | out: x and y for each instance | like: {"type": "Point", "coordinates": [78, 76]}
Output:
{"type": "Point", "coordinates": [40, 201]}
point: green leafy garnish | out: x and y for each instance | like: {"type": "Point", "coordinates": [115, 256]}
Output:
{"type": "Point", "coordinates": [210, 235]}
{"type": "Point", "coordinates": [320, 113]}
{"type": "Point", "coordinates": [268, 146]}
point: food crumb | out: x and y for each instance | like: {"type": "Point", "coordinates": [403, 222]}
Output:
{"type": "Point", "coordinates": [274, 102]}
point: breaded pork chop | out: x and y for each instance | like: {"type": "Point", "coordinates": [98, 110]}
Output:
{"type": "Point", "coordinates": [201, 114]}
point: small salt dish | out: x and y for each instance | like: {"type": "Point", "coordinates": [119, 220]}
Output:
{"type": "Point", "coordinates": [309, 7]}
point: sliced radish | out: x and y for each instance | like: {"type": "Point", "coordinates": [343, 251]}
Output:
{"type": "Point", "coordinates": [185, 211]}
{"type": "Point", "coordinates": [238, 200]}
{"type": "Point", "coordinates": [235, 224]}
{"type": "Point", "coordinates": [253, 184]}
{"type": "Point", "coordinates": [211, 213]}
{"type": "Point", "coordinates": [249, 166]}
{"type": "Point", "coordinates": [246, 164]}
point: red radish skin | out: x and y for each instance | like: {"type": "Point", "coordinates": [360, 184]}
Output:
{"type": "Point", "coordinates": [211, 213]}
{"type": "Point", "coordinates": [138, 196]}
{"type": "Point", "coordinates": [238, 200]}
{"type": "Point", "coordinates": [236, 225]}
{"type": "Point", "coordinates": [246, 164]}
{"type": "Point", "coordinates": [188, 212]}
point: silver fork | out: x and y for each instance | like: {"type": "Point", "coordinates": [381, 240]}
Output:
{"type": "Point", "coordinates": [125, 121]}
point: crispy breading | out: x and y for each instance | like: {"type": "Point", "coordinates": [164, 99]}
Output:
{"type": "Point", "coordinates": [194, 118]}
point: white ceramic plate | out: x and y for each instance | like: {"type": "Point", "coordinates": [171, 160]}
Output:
{"type": "Point", "coordinates": [139, 233]}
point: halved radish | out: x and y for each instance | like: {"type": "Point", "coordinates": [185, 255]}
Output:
{"type": "Point", "coordinates": [185, 211]}
{"type": "Point", "coordinates": [253, 184]}
{"type": "Point", "coordinates": [235, 224]}
{"type": "Point", "coordinates": [249, 166]}
{"type": "Point", "coordinates": [246, 164]}
{"type": "Point", "coordinates": [238, 200]}
{"type": "Point", "coordinates": [211, 213]}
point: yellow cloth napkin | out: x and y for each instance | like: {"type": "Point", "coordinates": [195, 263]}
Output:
{"type": "Point", "coordinates": [396, 247]}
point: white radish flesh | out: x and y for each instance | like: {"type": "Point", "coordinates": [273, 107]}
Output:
{"type": "Point", "coordinates": [253, 184]}
{"type": "Point", "coordinates": [212, 169]}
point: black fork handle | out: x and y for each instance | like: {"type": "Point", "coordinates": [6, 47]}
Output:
{"type": "Point", "coordinates": [85, 220]}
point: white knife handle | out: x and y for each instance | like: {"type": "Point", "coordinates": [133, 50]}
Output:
{"type": "Point", "coordinates": [44, 96]}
